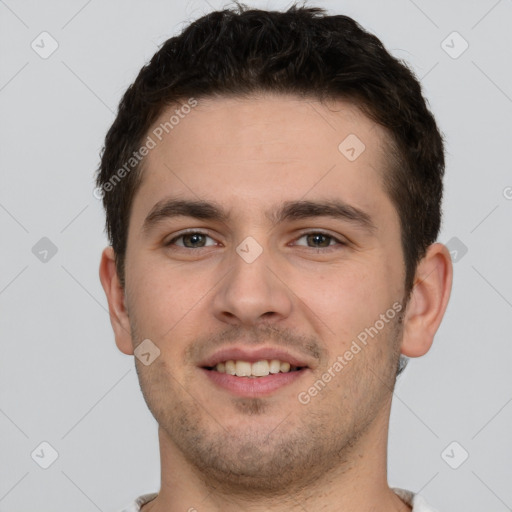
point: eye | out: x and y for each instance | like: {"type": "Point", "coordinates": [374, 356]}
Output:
{"type": "Point", "coordinates": [198, 240]}
{"type": "Point", "coordinates": [320, 240]}
{"type": "Point", "coordinates": [190, 240]}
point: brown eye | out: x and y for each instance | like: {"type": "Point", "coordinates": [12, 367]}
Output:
{"type": "Point", "coordinates": [320, 240]}
{"type": "Point", "coordinates": [191, 240]}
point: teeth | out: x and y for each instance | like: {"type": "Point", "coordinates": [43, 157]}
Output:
{"type": "Point", "coordinates": [258, 369]}
{"type": "Point", "coordinates": [275, 366]}
{"type": "Point", "coordinates": [230, 367]}
{"type": "Point", "coordinates": [243, 369]}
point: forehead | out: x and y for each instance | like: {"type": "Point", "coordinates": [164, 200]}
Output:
{"type": "Point", "coordinates": [265, 149]}
{"type": "Point", "coordinates": [268, 125]}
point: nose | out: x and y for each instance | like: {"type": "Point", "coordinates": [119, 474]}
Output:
{"type": "Point", "coordinates": [252, 291]}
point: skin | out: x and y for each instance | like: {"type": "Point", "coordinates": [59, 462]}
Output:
{"type": "Point", "coordinates": [220, 452]}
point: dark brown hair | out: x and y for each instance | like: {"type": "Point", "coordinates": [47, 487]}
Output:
{"type": "Point", "coordinates": [303, 51]}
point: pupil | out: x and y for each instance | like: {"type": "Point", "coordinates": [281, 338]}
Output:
{"type": "Point", "coordinates": [194, 238]}
{"type": "Point", "coordinates": [316, 239]}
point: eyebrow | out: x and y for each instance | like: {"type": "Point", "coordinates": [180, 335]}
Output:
{"type": "Point", "coordinates": [289, 210]}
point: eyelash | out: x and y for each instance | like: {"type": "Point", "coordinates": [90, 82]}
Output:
{"type": "Point", "coordinates": [306, 233]}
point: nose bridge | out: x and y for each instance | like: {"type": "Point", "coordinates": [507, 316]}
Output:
{"type": "Point", "coordinates": [251, 289]}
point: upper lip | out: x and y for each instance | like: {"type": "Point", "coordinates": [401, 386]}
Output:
{"type": "Point", "coordinates": [251, 356]}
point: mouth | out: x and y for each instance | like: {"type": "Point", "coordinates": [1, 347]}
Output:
{"type": "Point", "coordinates": [254, 370]}
{"type": "Point", "coordinates": [250, 375]}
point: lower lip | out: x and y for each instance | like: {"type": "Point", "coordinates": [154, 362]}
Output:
{"type": "Point", "coordinates": [253, 386]}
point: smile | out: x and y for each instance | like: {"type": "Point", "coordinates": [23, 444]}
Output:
{"type": "Point", "coordinates": [257, 369]}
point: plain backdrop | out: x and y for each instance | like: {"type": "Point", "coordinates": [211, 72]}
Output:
{"type": "Point", "coordinates": [62, 379]}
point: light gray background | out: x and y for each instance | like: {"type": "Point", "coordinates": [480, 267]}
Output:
{"type": "Point", "coordinates": [62, 379]}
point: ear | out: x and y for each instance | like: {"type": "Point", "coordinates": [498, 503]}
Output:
{"type": "Point", "coordinates": [116, 301]}
{"type": "Point", "coordinates": [428, 300]}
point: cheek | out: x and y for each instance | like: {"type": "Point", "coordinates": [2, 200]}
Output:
{"type": "Point", "coordinates": [162, 298]}
{"type": "Point", "coordinates": [344, 293]}
{"type": "Point", "coordinates": [347, 301]}
{"type": "Point", "coordinates": [327, 302]}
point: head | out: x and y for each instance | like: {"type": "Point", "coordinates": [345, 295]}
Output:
{"type": "Point", "coordinates": [248, 111]}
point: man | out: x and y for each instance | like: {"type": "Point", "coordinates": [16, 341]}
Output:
{"type": "Point", "coordinates": [273, 186]}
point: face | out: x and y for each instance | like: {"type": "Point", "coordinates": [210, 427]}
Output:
{"type": "Point", "coordinates": [290, 253]}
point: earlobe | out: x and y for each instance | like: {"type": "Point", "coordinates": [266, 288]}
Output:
{"type": "Point", "coordinates": [428, 301]}
{"type": "Point", "coordinates": [116, 301]}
